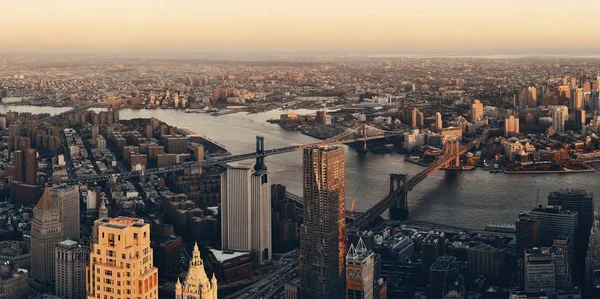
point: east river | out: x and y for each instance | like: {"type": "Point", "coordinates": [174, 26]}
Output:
{"type": "Point", "coordinates": [467, 199]}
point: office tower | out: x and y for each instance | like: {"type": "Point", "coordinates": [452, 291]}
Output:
{"type": "Point", "coordinates": [72, 259]}
{"type": "Point", "coordinates": [323, 234]}
{"type": "Point", "coordinates": [554, 223]}
{"type": "Point", "coordinates": [527, 232]}
{"type": "Point", "coordinates": [196, 284]}
{"type": "Point", "coordinates": [360, 264]}
{"type": "Point", "coordinates": [198, 151]}
{"type": "Point", "coordinates": [45, 234]}
{"type": "Point", "coordinates": [564, 92]}
{"type": "Point", "coordinates": [121, 264]}
{"type": "Point", "coordinates": [19, 165]}
{"type": "Point", "coordinates": [438, 121]}
{"type": "Point", "coordinates": [30, 166]}
{"type": "Point", "coordinates": [579, 201]}
{"type": "Point", "coordinates": [433, 246]}
{"type": "Point", "coordinates": [539, 271]}
{"type": "Point", "coordinates": [438, 274]}
{"type": "Point", "coordinates": [66, 198]}
{"type": "Point", "coordinates": [531, 97]}
{"type": "Point", "coordinates": [511, 126]}
{"type": "Point", "coordinates": [594, 102]}
{"type": "Point", "coordinates": [246, 211]}
{"type": "Point", "coordinates": [559, 115]}
{"type": "Point", "coordinates": [576, 99]}
{"type": "Point", "coordinates": [476, 110]}
{"type": "Point", "coordinates": [580, 121]}
{"type": "Point", "coordinates": [561, 257]}
{"type": "Point", "coordinates": [413, 118]}
{"type": "Point", "coordinates": [486, 260]}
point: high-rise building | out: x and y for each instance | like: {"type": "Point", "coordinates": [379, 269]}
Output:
{"type": "Point", "coordinates": [476, 110]}
{"type": "Point", "coordinates": [527, 232]}
{"type": "Point", "coordinates": [121, 264]}
{"type": "Point", "coordinates": [360, 264]}
{"type": "Point", "coordinates": [580, 121]}
{"type": "Point", "coordinates": [45, 234]}
{"type": "Point", "coordinates": [559, 115]}
{"type": "Point", "coordinates": [511, 126]}
{"type": "Point", "coordinates": [540, 275]}
{"type": "Point", "coordinates": [438, 273]}
{"type": "Point", "coordinates": [13, 282]}
{"type": "Point", "coordinates": [323, 234]}
{"type": "Point", "coordinates": [196, 284]}
{"type": "Point", "coordinates": [561, 257]}
{"type": "Point", "coordinates": [531, 97]}
{"type": "Point", "coordinates": [30, 166]}
{"type": "Point", "coordinates": [592, 258]}
{"type": "Point", "coordinates": [579, 201]}
{"type": "Point", "coordinates": [72, 259]}
{"type": "Point", "coordinates": [438, 121]}
{"type": "Point", "coordinates": [554, 223]}
{"type": "Point", "coordinates": [66, 198]}
{"type": "Point", "coordinates": [246, 211]}
{"type": "Point", "coordinates": [25, 166]}
{"type": "Point", "coordinates": [433, 246]}
{"type": "Point", "coordinates": [576, 99]}
{"type": "Point", "coordinates": [486, 260]}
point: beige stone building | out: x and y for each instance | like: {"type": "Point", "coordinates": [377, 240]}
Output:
{"type": "Point", "coordinates": [196, 285]}
{"type": "Point", "coordinates": [121, 264]}
{"type": "Point", "coordinates": [45, 234]}
{"type": "Point", "coordinates": [13, 282]}
{"type": "Point", "coordinates": [71, 259]}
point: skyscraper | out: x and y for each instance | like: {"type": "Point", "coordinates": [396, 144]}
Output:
{"type": "Point", "coordinates": [539, 269]}
{"type": "Point", "coordinates": [72, 259]}
{"type": "Point", "coordinates": [196, 284]}
{"type": "Point", "coordinates": [25, 166]}
{"type": "Point", "coordinates": [554, 223]}
{"type": "Point", "coordinates": [322, 245]}
{"type": "Point", "coordinates": [476, 110]}
{"type": "Point", "coordinates": [527, 231]}
{"type": "Point", "coordinates": [511, 126]}
{"type": "Point", "coordinates": [438, 121]}
{"type": "Point", "coordinates": [359, 271]}
{"type": "Point", "coordinates": [30, 166]}
{"type": "Point", "coordinates": [66, 198]}
{"type": "Point", "coordinates": [580, 121]}
{"type": "Point", "coordinates": [120, 264]}
{"type": "Point", "coordinates": [45, 234]}
{"type": "Point", "coordinates": [579, 201]}
{"type": "Point", "coordinates": [559, 115]}
{"type": "Point", "coordinates": [246, 211]}
{"type": "Point", "coordinates": [576, 98]}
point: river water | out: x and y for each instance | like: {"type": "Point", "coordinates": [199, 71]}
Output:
{"type": "Point", "coordinates": [467, 199]}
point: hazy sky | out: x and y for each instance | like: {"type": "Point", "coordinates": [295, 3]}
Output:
{"type": "Point", "coordinates": [297, 25]}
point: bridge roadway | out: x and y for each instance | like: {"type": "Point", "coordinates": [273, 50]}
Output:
{"type": "Point", "coordinates": [380, 207]}
{"type": "Point", "coordinates": [215, 161]}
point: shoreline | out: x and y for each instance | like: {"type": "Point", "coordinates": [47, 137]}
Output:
{"type": "Point", "coordinates": [548, 172]}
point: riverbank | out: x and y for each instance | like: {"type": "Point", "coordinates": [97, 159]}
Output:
{"type": "Point", "coordinates": [549, 171]}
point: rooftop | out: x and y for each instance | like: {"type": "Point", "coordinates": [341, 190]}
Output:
{"type": "Point", "coordinates": [223, 256]}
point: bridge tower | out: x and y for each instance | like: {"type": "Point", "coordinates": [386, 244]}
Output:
{"type": "Point", "coordinates": [364, 135]}
{"type": "Point", "coordinates": [260, 150]}
{"type": "Point", "coordinates": [451, 149]}
{"type": "Point", "coordinates": [399, 211]}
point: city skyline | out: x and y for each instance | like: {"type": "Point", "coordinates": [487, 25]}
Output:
{"type": "Point", "coordinates": [531, 27]}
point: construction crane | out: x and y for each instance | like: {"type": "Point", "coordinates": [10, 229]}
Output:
{"type": "Point", "coordinates": [352, 208]}
{"type": "Point", "coordinates": [537, 199]}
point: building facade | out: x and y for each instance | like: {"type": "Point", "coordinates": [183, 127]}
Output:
{"type": "Point", "coordinates": [540, 275]}
{"type": "Point", "coordinates": [72, 259]}
{"type": "Point", "coordinates": [66, 198]}
{"type": "Point", "coordinates": [45, 234]}
{"type": "Point", "coordinates": [196, 284]}
{"type": "Point", "coordinates": [246, 211]}
{"type": "Point", "coordinates": [322, 245]}
{"type": "Point", "coordinates": [360, 267]}
{"type": "Point", "coordinates": [121, 263]}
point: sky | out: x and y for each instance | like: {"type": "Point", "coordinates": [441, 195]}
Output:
{"type": "Point", "coordinates": [393, 26]}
